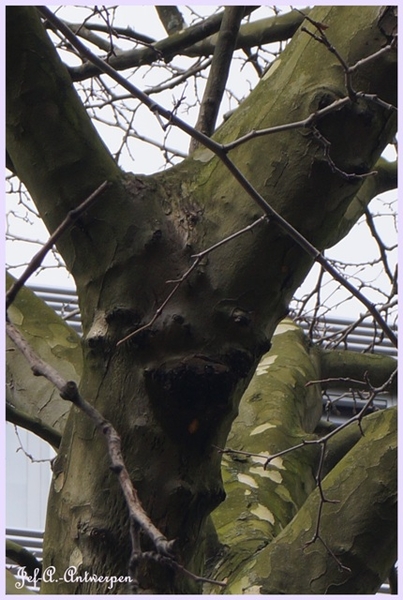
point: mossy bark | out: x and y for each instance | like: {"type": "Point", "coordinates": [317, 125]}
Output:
{"type": "Point", "coordinates": [173, 391]}
{"type": "Point", "coordinates": [259, 533]}
{"type": "Point", "coordinates": [34, 398]}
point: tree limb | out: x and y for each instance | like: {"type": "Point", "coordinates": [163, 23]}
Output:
{"type": "Point", "coordinates": [171, 18]}
{"type": "Point", "coordinates": [24, 558]}
{"type": "Point", "coordinates": [219, 71]}
{"type": "Point", "coordinates": [384, 181]}
{"type": "Point", "coordinates": [67, 222]}
{"type": "Point", "coordinates": [359, 499]}
{"type": "Point", "coordinates": [33, 424]}
{"type": "Point", "coordinates": [188, 42]}
{"type": "Point", "coordinates": [58, 344]}
{"type": "Point", "coordinates": [355, 365]}
{"type": "Point", "coordinates": [256, 33]}
{"type": "Point", "coordinates": [164, 49]}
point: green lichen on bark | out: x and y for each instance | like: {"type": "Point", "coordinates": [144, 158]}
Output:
{"type": "Point", "coordinates": [364, 517]}
{"type": "Point", "coordinates": [57, 344]}
{"type": "Point", "coordinates": [277, 411]}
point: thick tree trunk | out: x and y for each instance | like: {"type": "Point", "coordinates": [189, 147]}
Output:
{"type": "Point", "coordinates": [173, 390]}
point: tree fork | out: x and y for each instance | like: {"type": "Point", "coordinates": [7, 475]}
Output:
{"type": "Point", "coordinates": [172, 392]}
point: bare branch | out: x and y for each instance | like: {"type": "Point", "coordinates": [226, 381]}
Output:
{"type": "Point", "coordinates": [36, 426]}
{"type": "Point", "coordinates": [219, 72]}
{"type": "Point", "coordinates": [88, 35]}
{"type": "Point", "coordinates": [381, 246]}
{"type": "Point", "coordinates": [35, 263]}
{"type": "Point", "coordinates": [24, 558]}
{"type": "Point", "coordinates": [308, 123]}
{"type": "Point", "coordinates": [197, 40]}
{"type": "Point", "coordinates": [122, 32]}
{"type": "Point", "coordinates": [163, 49]}
{"type": "Point", "coordinates": [171, 18]}
{"type": "Point", "coordinates": [69, 391]}
{"type": "Point", "coordinates": [177, 567]}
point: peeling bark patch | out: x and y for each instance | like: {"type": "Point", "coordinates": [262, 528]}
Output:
{"type": "Point", "coordinates": [76, 558]}
{"type": "Point", "coordinates": [253, 589]}
{"type": "Point", "coordinates": [263, 513]}
{"type": "Point", "coordinates": [269, 474]}
{"type": "Point", "coordinates": [98, 330]}
{"type": "Point", "coordinates": [15, 315]}
{"type": "Point", "coordinates": [273, 67]}
{"type": "Point", "coordinates": [265, 364]}
{"type": "Point", "coordinates": [203, 155]}
{"type": "Point", "coordinates": [285, 326]}
{"type": "Point", "coordinates": [277, 462]}
{"type": "Point", "coordinates": [58, 482]}
{"type": "Point", "coordinates": [261, 428]}
{"type": "Point", "coordinates": [247, 480]}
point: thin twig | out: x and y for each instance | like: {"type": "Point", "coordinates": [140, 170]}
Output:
{"type": "Point", "coordinates": [306, 123]}
{"type": "Point", "coordinates": [168, 561]}
{"type": "Point", "coordinates": [322, 38]}
{"type": "Point", "coordinates": [36, 261]}
{"type": "Point", "coordinates": [380, 244]}
{"type": "Point", "coordinates": [162, 49]}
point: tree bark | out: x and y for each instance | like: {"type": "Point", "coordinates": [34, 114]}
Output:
{"type": "Point", "coordinates": [263, 504]}
{"type": "Point", "coordinates": [173, 390]}
{"type": "Point", "coordinates": [359, 527]}
{"type": "Point", "coordinates": [32, 401]}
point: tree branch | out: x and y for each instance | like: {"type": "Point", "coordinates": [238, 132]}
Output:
{"type": "Point", "coordinates": [188, 42]}
{"type": "Point", "coordinates": [24, 558]}
{"type": "Point", "coordinates": [219, 72]}
{"type": "Point", "coordinates": [256, 33]}
{"type": "Point", "coordinates": [171, 18]}
{"type": "Point", "coordinates": [69, 391]}
{"type": "Point", "coordinates": [349, 364]}
{"type": "Point", "coordinates": [384, 181]}
{"type": "Point", "coordinates": [33, 424]}
{"type": "Point", "coordinates": [164, 49]}
{"type": "Point", "coordinates": [361, 500]}
{"type": "Point", "coordinates": [67, 222]}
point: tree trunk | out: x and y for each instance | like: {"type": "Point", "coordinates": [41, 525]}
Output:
{"type": "Point", "coordinates": [172, 391]}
